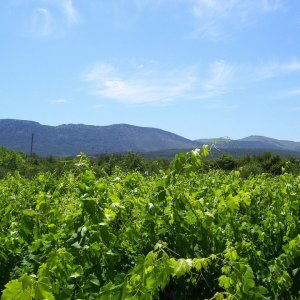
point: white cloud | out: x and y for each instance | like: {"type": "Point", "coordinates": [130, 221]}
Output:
{"type": "Point", "coordinates": [275, 69]}
{"type": "Point", "coordinates": [52, 17]}
{"type": "Point", "coordinates": [271, 5]}
{"type": "Point", "coordinates": [152, 86]}
{"type": "Point", "coordinates": [98, 73]}
{"type": "Point", "coordinates": [41, 22]}
{"type": "Point", "coordinates": [141, 4]}
{"type": "Point", "coordinates": [221, 74]}
{"type": "Point", "coordinates": [249, 74]}
{"type": "Point", "coordinates": [59, 101]}
{"type": "Point", "coordinates": [72, 16]}
{"type": "Point", "coordinates": [138, 87]}
{"type": "Point", "coordinates": [214, 17]}
{"type": "Point", "coordinates": [292, 93]}
{"type": "Point", "coordinates": [221, 105]}
{"type": "Point", "coordinates": [152, 83]}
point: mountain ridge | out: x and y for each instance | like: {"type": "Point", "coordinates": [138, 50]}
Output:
{"type": "Point", "coordinates": [255, 142]}
{"type": "Point", "coordinates": [71, 139]}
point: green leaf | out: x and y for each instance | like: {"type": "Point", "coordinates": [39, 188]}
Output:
{"type": "Point", "coordinates": [224, 281]}
{"type": "Point", "coordinates": [180, 267]}
{"type": "Point", "coordinates": [231, 255]}
{"type": "Point", "coordinates": [14, 291]}
{"type": "Point", "coordinates": [151, 282]}
{"type": "Point", "coordinates": [28, 212]}
{"type": "Point", "coordinates": [75, 275]}
{"type": "Point", "coordinates": [248, 279]}
{"type": "Point", "coordinates": [76, 245]}
{"type": "Point", "coordinates": [95, 281]}
{"type": "Point", "coordinates": [295, 271]}
{"type": "Point", "coordinates": [43, 291]}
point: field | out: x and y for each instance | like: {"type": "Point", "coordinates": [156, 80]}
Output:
{"type": "Point", "coordinates": [179, 234]}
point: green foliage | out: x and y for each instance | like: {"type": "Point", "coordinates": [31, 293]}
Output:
{"type": "Point", "coordinates": [30, 166]}
{"type": "Point", "coordinates": [178, 234]}
{"type": "Point", "coordinates": [225, 162]}
{"type": "Point", "coordinates": [10, 160]}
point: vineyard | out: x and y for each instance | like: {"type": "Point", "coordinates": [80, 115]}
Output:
{"type": "Point", "coordinates": [180, 234]}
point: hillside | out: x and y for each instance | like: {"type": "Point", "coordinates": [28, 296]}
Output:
{"type": "Point", "coordinates": [69, 140]}
{"type": "Point", "coordinates": [254, 143]}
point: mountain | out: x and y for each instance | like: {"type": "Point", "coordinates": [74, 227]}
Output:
{"type": "Point", "coordinates": [280, 144]}
{"type": "Point", "coordinates": [71, 139]}
{"type": "Point", "coordinates": [255, 142]}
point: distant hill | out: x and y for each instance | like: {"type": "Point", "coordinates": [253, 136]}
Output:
{"type": "Point", "coordinates": [69, 140]}
{"type": "Point", "coordinates": [272, 143]}
{"type": "Point", "coordinates": [255, 143]}
{"type": "Point", "coordinates": [218, 151]}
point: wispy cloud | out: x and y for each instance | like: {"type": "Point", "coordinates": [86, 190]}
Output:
{"type": "Point", "coordinates": [148, 85]}
{"type": "Point", "coordinates": [139, 87]}
{"type": "Point", "coordinates": [71, 13]}
{"type": "Point", "coordinates": [142, 4]}
{"type": "Point", "coordinates": [292, 93]}
{"type": "Point", "coordinates": [153, 83]}
{"type": "Point", "coordinates": [52, 18]}
{"type": "Point", "coordinates": [275, 69]}
{"type": "Point", "coordinates": [221, 105]}
{"type": "Point", "coordinates": [215, 16]}
{"type": "Point", "coordinates": [41, 22]}
{"type": "Point", "coordinates": [59, 101]}
{"type": "Point", "coordinates": [221, 73]}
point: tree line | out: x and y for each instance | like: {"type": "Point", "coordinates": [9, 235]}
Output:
{"type": "Point", "coordinates": [106, 164]}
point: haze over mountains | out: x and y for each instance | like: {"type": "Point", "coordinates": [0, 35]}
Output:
{"type": "Point", "coordinates": [71, 139]}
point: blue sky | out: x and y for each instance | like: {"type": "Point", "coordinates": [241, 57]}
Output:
{"type": "Point", "coordinates": [198, 68]}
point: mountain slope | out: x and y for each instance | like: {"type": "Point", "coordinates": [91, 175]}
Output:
{"type": "Point", "coordinates": [282, 144]}
{"type": "Point", "coordinates": [69, 140]}
{"type": "Point", "coordinates": [254, 142]}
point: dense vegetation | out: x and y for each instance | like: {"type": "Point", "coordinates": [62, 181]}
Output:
{"type": "Point", "coordinates": [106, 164]}
{"type": "Point", "coordinates": [30, 166]}
{"type": "Point", "coordinates": [91, 231]}
{"type": "Point", "coordinates": [256, 164]}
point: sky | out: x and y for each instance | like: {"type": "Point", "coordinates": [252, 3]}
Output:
{"type": "Point", "coordinates": [197, 68]}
